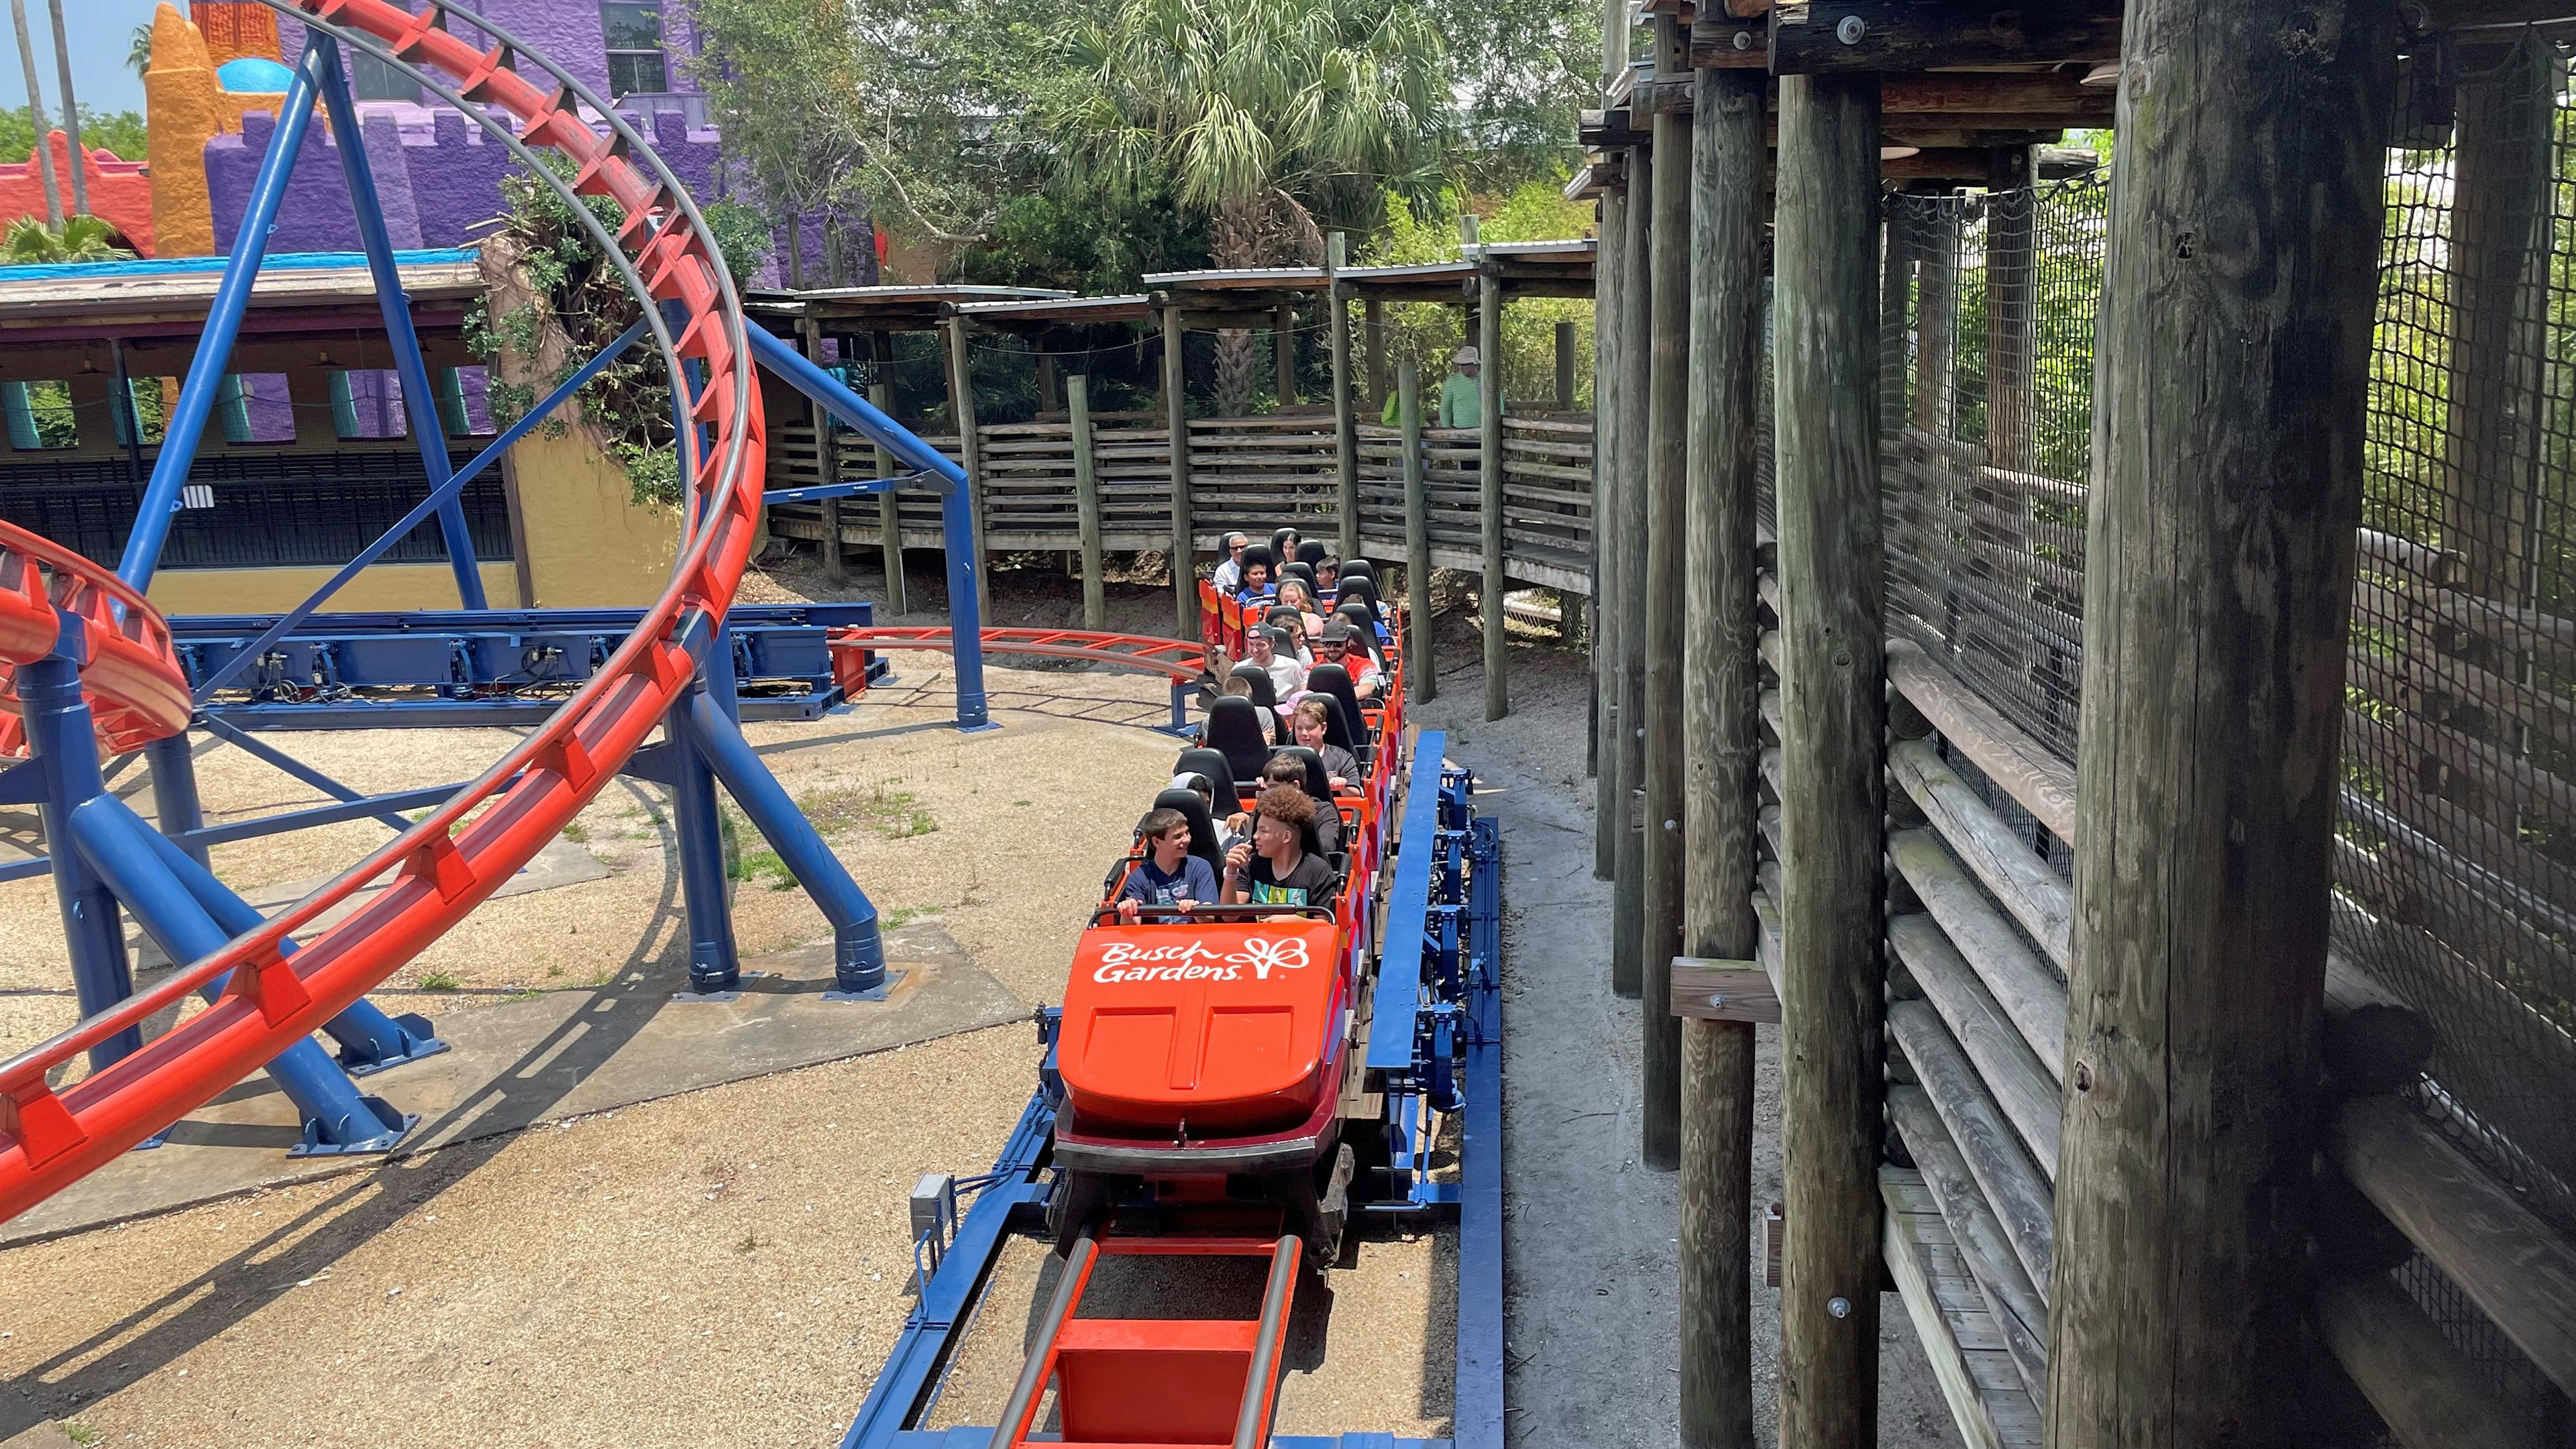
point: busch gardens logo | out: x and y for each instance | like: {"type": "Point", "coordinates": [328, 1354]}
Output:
{"type": "Point", "coordinates": [1123, 961]}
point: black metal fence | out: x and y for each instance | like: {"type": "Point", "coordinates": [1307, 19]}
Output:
{"type": "Point", "coordinates": [268, 510]}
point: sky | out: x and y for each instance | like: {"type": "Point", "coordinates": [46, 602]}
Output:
{"type": "Point", "coordinates": [101, 33]}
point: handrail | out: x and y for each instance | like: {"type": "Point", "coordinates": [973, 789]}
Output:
{"type": "Point", "coordinates": [1008, 1429]}
{"type": "Point", "coordinates": [1253, 1420]}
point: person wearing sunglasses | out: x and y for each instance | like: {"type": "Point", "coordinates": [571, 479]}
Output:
{"type": "Point", "coordinates": [1229, 574]}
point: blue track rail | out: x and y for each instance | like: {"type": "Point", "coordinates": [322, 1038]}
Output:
{"type": "Point", "coordinates": [1435, 1048]}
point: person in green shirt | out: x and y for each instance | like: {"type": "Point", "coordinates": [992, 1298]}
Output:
{"type": "Point", "coordinates": [1459, 404]}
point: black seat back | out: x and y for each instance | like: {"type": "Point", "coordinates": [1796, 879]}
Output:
{"type": "Point", "coordinates": [1343, 725]}
{"type": "Point", "coordinates": [1311, 552]}
{"type": "Point", "coordinates": [1303, 573]}
{"type": "Point", "coordinates": [1217, 770]}
{"type": "Point", "coordinates": [1202, 827]}
{"type": "Point", "coordinates": [1363, 590]}
{"type": "Point", "coordinates": [1280, 552]}
{"type": "Point", "coordinates": [1319, 781]}
{"type": "Point", "coordinates": [1260, 554]}
{"type": "Point", "coordinates": [1359, 568]}
{"type": "Point", "coordinates": [1265, 693]}
{"type": "Point", "coordinates": [1235, 729]}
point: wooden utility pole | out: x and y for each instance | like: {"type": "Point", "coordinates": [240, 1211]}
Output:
{"type": "Point", "coordinates": [1667, 486]}
{"type": "Point", "coordinates": [1833, 682]}
{"type": "Point", "coordinates": [1636, 325]}
{"type": "Point", "coordinates": [970, 455]}
{"type": "Point", "coordinates": [1346, 430]}
{"type": "Point", "coordinates": [827, 461]}
{"type": "Point", "coordinates": [1421, 676]}
{"type": "Point", "coordinates": [1373, 341]}
{"type": "Point", "coordinates": [2230, 375]}
{"type": "Point", "coordinates": [889, 511]}
{"type": "Point", "coordinates": [1283, 353]}
{"type": "Point", "coordinates": [1176, 417]}
{"type": "Point", "coordinates": [1609, 669]}
{"type": "Point", "coordinates": [1565, 367]}
{"type": "Point", "coordinates": [2012, 300]}
{"type": "Point", "coordinates": [1086, 502]}
{"type": "Point", "coordinates": [1936, 391]}
{"type": "Point", "coordinates": [1489, 477]}
{"type": "Point", "coordinates": [1721, 687]}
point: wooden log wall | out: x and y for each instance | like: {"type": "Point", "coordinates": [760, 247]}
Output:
{"type": "Point", "coordinates": [1247, 474]}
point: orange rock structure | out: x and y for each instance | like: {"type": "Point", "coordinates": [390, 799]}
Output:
{"type": "Point", "coordinates": [185, 107]}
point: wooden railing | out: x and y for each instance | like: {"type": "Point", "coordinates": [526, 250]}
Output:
{"type": "Point", "coordinates": [1250, 474]}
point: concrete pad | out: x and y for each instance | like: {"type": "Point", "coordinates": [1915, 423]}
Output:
{"type": "Point", "coordinates": [43, 1436]}
{"type": "Point", "coordinates": [552, 1056]}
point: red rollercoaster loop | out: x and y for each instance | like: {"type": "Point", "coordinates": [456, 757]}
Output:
{"type": "Point", "coordinates": [453, 859]}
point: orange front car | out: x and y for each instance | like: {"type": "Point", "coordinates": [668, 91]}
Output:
{"type": "Point", "coordinates": [1223, 1026]}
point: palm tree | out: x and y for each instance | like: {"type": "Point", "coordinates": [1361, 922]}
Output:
{"type": "Point", "coordinates": [36, 114]}
{"type": "Point", "coordinates": [1255, 110]}
{"type": "Point", "coordinates": [138, 52]}
{"type": "Point", "coordinates": [80, 239]}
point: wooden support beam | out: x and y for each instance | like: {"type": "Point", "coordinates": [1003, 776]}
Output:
{"type": "Point", "coordinates": [889, 512]}
{"type": "Point", "coordinates": [1421, 674]}
{"type": "Point", "coordinates": [2011, 1186]}
{"type": "Point", "coordinates": [1667, 520]}
{"type": "Point", "coordinates": [2019, 1310]}
{"type": "Point", "coordinates": [2215, 628]}
{"type": "Point", "coordinates": [1720, 684]}
{"type": "Point", "coordinates": [961, 407]}
{"type": "Point", "coordinates": [2429, 1394]}
{"type": "Point", "coordinates": [1283, 352]}
{"type": "Point", "coordinates": [1564, 367]}
{"type": "Point", "coordinates": [1489, 491]}
{"type": "Point", "coordinates": [1346, 433]}
{"type": "Point", "coordinates": [1636, 327]}
{"type": "Point", "coordinates": [1709, 989]}
{"type": "Point", "coordinates": [1910, 35]}
{"type": "Point", "coordinates": [827, 457]}
{"type": "Point", "coordinates": [1176, 419]}
{"type": "Point", "coordinates": [1833, 700]}
{"type": "Point", "coordinates": [2511, 1264]}
{"type": "Point", "coordinates": [1373, 339]}
{"type": "Point", "coordinates": [1609, 475]}
{"type": "Point", "coordinates": [1936, 389]}
{"type": "Point", "coordinates": [1086, 503]}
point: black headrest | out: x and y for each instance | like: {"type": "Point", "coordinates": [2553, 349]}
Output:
{"type": "Point", "coordinates": [1312, 551]}
{"type": "Point", "coordinates": [1234, 727]}
{"type": "Point", "coordinates": [1218, 771]}
{"type": "Point", "coordinates": [1359, 568]}
{"type": "Point", "coordinates": [1303, 572]}
{"type": "Point", "coordinates": [1265, 690]}
{"type": "Point", "coordinates": [1319, 781]}
{"type": "Point", "coordinates": [1362, 589]}
{"type": "Point", "coordinates": [1342, 723]}
{"type": "Point", "coordinates": [1281, 613]}
{"type": "Point", "coordinates": [1202, 826]}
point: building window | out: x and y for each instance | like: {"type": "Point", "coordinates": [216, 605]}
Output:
{"type": "Point", "coordinates": [39, 415]}
{"type": "Point", "coordinates": [371, 79]}
{"type": "Point", "coordinates": [635, 61]}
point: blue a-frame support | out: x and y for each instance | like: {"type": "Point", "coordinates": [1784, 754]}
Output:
{"type": "Point", "coordinates": [105, 858]}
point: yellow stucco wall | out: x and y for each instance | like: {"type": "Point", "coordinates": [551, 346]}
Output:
{"type": "Point", "coordinates": [589, 543]}
{"type": "Point", "coordinates": [274, 591]}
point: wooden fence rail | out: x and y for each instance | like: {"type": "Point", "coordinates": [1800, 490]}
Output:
{"type": "Point", "coordinates": [1248, 474]}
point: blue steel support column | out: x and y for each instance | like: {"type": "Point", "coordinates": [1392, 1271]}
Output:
{"type": "Point", "coordinates": [714, 964]}
{"type": "Point", "coordinates": [858, 955]}
{"type": "Point", "coordinates": [420, 405]}
{"type": "Point", "coordinates": [965, 617]}
{"type": "Point", "coordinates": [65, 749]}
{"type": "Point", "coordinates": [174, 789]}
{"type": "Point", "coordinates": [338, 1118]}
{"type": "Point", "coordinates": [187, 421]}
{"type": "Point", "coordinates": [370, 1040]}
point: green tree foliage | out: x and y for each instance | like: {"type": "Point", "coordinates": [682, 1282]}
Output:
{"type": "Point", "coordinates": [1427, 333]}
{"type": "Point", "coordinates": [138, 50]}
{"type": "Point", "coordinates": [119, 133]}
{"type": "Point", "coordinates": [83, 239]}
{"type": "Point", "coordinates": [584, 299]}
{"type": "Point", "coordinates": [1524, 70]}
{"type": "Point", "coordinates": [1256, 114]}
